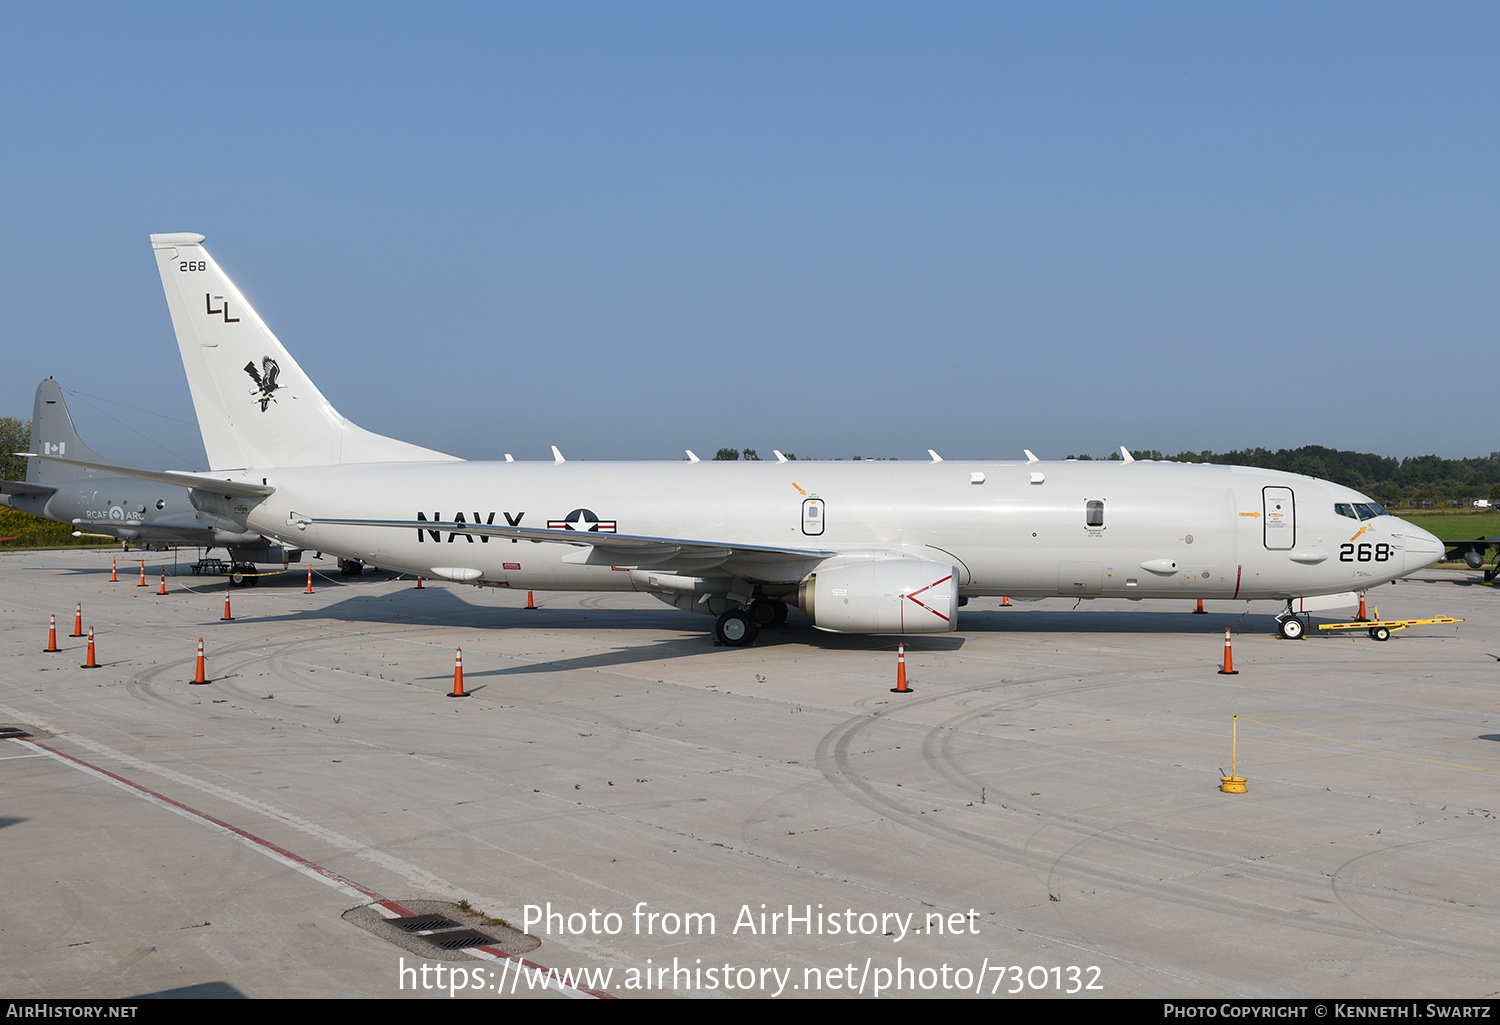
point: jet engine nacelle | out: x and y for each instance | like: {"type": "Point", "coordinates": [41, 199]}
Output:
{"type": "Point", "coordinates": [898, 596]}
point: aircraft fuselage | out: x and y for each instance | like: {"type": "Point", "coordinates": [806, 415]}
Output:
{"type": "Point", "coordinates": [1091, 529]}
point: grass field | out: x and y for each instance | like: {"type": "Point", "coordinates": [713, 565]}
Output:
{"type": "Point", "coordinates": [1454, 524]}
{"type": "Point", "coordinates": [31, 532]}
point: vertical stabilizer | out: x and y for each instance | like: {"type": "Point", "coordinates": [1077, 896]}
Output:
{"type": "Point", "coordinates": [53, 434]}
{"type": "Point", "coordinates": [255, 406]}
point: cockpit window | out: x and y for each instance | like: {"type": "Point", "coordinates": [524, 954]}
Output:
{"type": "Point", "coordinates": [1345, 509]}
{"type": "Point", "coordinates": [1359, 510]}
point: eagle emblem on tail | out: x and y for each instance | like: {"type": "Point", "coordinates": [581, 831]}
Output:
{"type": "Point", "coordinates": [265, 381]}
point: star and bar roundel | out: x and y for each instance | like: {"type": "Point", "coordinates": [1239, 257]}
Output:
{"type": "Point", "coordinates": [584, 520]}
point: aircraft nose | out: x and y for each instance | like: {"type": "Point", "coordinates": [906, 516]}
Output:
{"type": "Point", "coordinates": [1421, 548]}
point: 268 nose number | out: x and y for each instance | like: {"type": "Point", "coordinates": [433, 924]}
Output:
{"type": "Point", "coordinates": [1364, 553]}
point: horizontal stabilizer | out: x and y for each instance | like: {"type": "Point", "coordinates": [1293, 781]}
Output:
{"type": "Point", "coordinates": [201, 481]}
{"type": "Point", "coordinates": [18, 487]}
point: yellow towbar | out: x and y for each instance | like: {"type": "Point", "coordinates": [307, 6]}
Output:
{"type": "Point", "coordinates": [1380, 629]}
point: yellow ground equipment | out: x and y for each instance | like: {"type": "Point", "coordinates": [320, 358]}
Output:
{"type": "Point", "coordinates": [1380, 629]}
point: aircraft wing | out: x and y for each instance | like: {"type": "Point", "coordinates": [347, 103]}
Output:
{"type": "Point", "coordinates": [181, 479]}
{"type": "Point", "coordinates": [20, 487]}
{"type": "Point", "coordinates": [629, 548]}
{"type": "Point", "coordinates": [191, 533]}
{"type": "Point", "coordinates": [1456, 550]}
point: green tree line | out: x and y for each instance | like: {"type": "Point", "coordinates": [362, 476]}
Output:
{"type": "Point", "coordinates": [1411, 482]}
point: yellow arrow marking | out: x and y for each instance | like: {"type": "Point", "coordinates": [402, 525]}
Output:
{"type": "Point", "coordinates": [798, 487]}
{"type": "Point", "coordinates": [1361, 531]}
{"type": "Point", "coordinates": [1249, 514]}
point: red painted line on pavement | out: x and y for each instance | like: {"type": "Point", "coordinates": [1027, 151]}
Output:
{"type": "Point", "coordinates": [281, 852]}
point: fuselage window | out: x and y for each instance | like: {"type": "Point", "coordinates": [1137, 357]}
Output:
{"type": "Point", "coordinates": [1093, 512]}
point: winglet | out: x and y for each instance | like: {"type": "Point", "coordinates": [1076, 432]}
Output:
{"type": "Point", "coordinates": [1126, 454]}
{"type": "Point", "coordinates": [557, 457]}
{"type": "Point", "coordinates": [935, 457]}
{"type": "Point", "coordinates": [779, 457]}
{"type": "Point", "coordinates": [1030, 456]}
{"type": "Point", "coordinates": [691, 457]}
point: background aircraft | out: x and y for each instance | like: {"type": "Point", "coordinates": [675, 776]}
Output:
{"type": "Point", "coordinates": [140, 513]}
{"type": "Point", "coordinates": [1473, 553]}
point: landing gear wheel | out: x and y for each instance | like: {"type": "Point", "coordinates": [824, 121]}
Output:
{"type": "Point", "coordinates": [240, 576]}
{"type": "Point", "coordinates": [1380, 633]}
{"type": "Point", "coordinates": [768, 613]}
{"type": "Point", "coordinates": [1291, 628]}
{"type": "Point", "coordinates": [736, 628]}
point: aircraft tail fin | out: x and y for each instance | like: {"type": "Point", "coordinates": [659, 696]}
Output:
{"type": "Point", "coordinates": [256, 408]}
{"type": "Point", "coordinates": [53, 434]}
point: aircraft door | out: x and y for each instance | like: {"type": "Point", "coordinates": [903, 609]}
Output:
{"type": "Point", "coordinates": [1280, 527]}
{"type": "Point", "coordinates": [812, 517]}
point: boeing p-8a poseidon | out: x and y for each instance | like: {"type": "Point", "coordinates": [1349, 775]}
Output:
{"type": "Point", "coordinates": [860, 547]}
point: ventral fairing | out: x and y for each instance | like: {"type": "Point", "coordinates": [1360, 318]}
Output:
{"type": "Point", "coordinates": [860, 547]}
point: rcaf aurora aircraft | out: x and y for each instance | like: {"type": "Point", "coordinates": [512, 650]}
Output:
{"type": "Point", "coordinates": [860, 547]}
{"type": "Point", "coordinates": [110, 503]}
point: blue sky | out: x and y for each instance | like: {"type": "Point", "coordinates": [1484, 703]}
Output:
{"type": "Point", "coordinates": [833, 229]}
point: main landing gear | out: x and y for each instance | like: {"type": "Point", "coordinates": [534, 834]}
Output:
{"type": "Point", "coordinates": [243, 576]}
{"type": "Point", "coordinates": [738, 628]}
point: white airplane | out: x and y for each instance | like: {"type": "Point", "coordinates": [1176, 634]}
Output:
{"type": "Point", "coordinates": [860, 547]}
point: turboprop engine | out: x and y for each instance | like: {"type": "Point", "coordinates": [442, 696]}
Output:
{"type": "Point", "coordinates": [910, 596]}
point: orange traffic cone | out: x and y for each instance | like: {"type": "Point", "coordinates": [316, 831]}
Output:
{"type": "Point", "coordinates": [419, 583]}
{"type": "Point", "coordinates": [1005, 600]}
{"type": "Point", "coordinates": [1361, 616]}
{"type": "Point", "coordinates": [163, 581]}
{"type": "Point", "coordinates": [1229, 669]}
{"type": "Point", "coordinates": [52, 634]}
{"type": "Point", "coordinates": [227, 617]}
{"type": "Point", "coordinates": [529, 603]}
{"type": "Point", "coordinates": [114, 571]}
{"type": "Point", "coordinates": [1199, 611]}
{"type": "Point", "coordinates": [143, 574]}
{"type": "Point", "coordinates": [458, 675]}
{"type": "Point", "coordinates": [309, 579]}
{"type": "Point", "coordinates": [901, 687]}
{"type": "Point", "coordinates": [202, 676]}
{"type": "Point", "coordinates": [91, 663]}
{"type": "Point", "coordinates": [78, 622]}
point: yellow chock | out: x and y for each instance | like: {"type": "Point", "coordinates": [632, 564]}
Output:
{"type": "Point", "coordinates": [1232, 783]}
